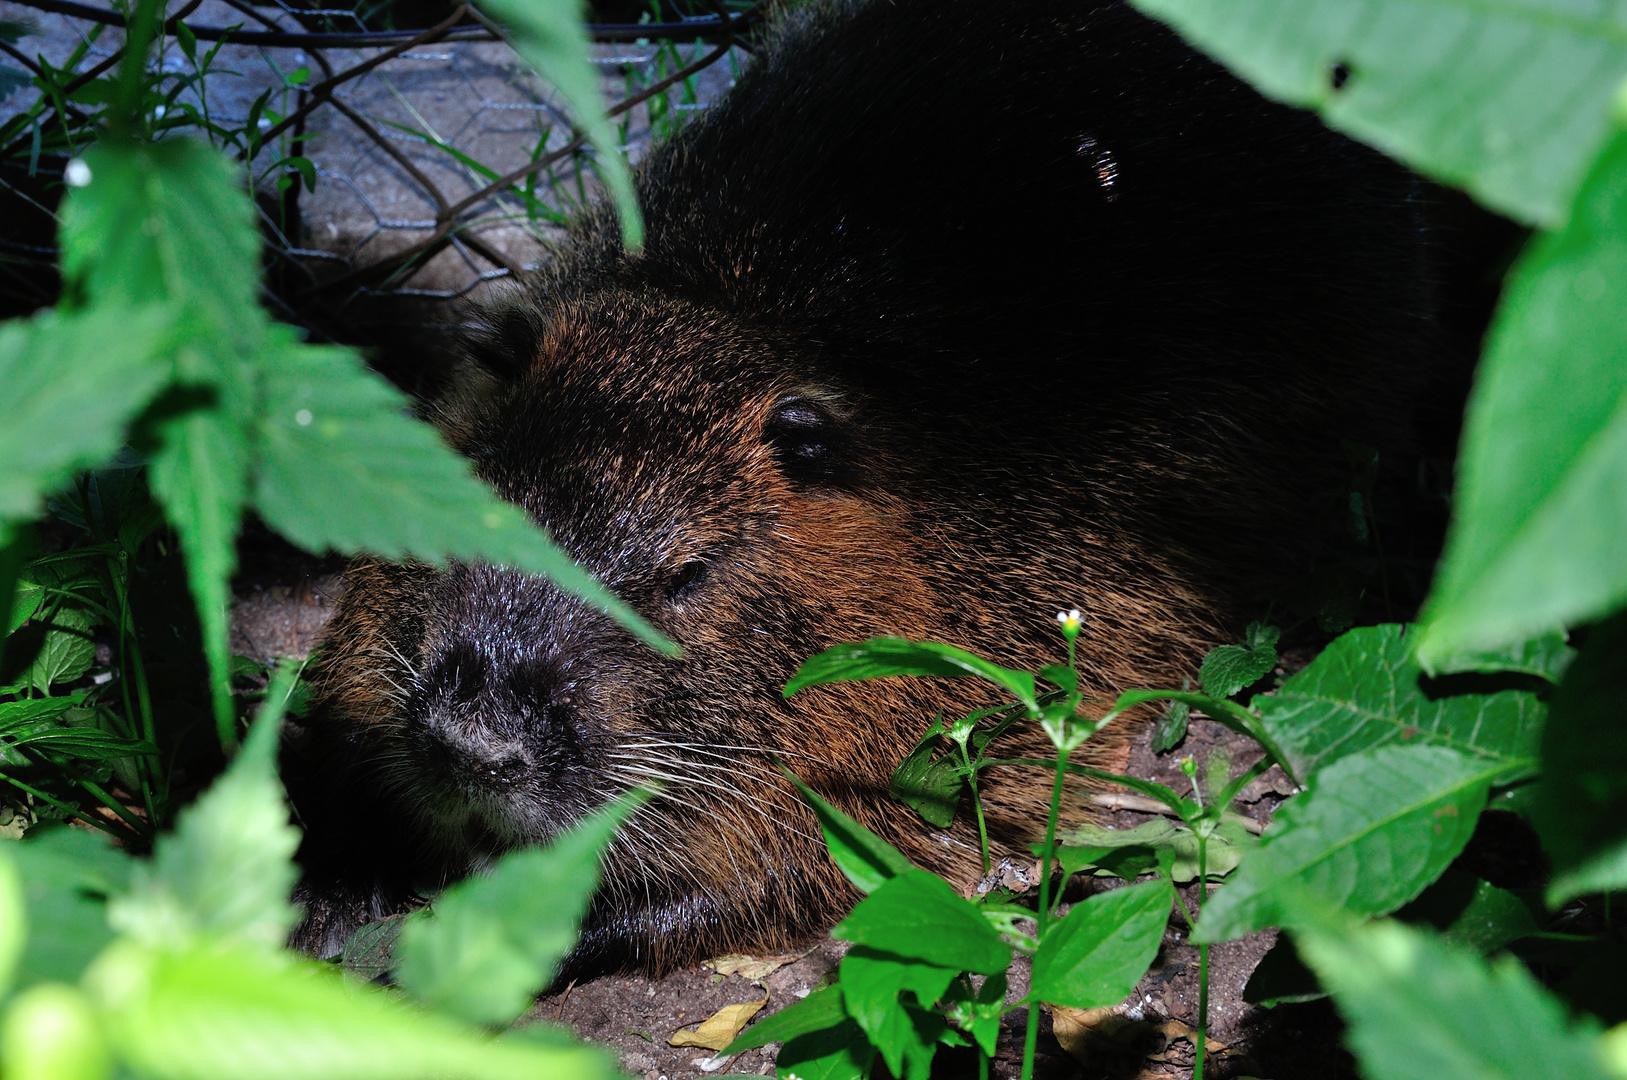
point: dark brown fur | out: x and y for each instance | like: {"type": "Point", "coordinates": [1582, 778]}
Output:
{"type": "Point", "coordinates": [954, 314]}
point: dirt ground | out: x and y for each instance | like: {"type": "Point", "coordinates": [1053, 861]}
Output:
{"type": "Point", "coordinates": [283, 600]}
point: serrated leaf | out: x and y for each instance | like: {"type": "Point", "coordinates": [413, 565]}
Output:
{"type": "Point", "coordinates": [67, 651]}
{"type": "Point", "coordinates": [71, 385]}
{"type": "Point", "coordinates": [918, 916]}
{"type": "Point", "coordinates": [883, 657]}
{"type": "Point", "coordinates": [1095, 956]}
{"type": "Point", "coordinates": [929, 782]}
{"type": "Point", "coordinates": [67, 874]}
{"type": "Point", "coordinates": [872, 981]}
{"type": "Point", "coordinates": [1230, 668]}
{"type": "Point", "coordinates": [1422, 1009]}
{"type": "Point", "coordinates": [1368, 834]}
{"type": "Point", "coordinates": [370, 951]}
{"type": "Point", "coordinates": [231, 1011]}
{"type": "Point", "coordinates": [342, 467]}
{"type": "Point", "coordinates": [1581, 803]}
{"type": "Point", "coordinates": [490, 944]}
{"type": "Point", "coordinates": [864, 857]}
{"type": "Point", "coordinates": [1540, 503]}
{"type": "Point", "coordinates": [550, 36]}
{"type": "Point", "coordinates": [227, 869]}
{"type": "Point", "coordinates": [1365, 691]}
{"type": "Point", "coordinates": [1509, 101]}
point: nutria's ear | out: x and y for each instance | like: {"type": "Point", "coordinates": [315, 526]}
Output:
{"type": "Point", "coordinates": [811, 445]}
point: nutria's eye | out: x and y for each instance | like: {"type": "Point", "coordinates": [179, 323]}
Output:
{"type": "Point", "coordinates": [689, 575]}
{"type": "Point", "coordinates": [807, 441]}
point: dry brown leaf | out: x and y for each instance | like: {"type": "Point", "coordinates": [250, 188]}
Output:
{"type": "Point", "coordinates": [751, 967]}
{"type": "Point", "coordinates": [1102, 1038]}
{"type": "Point", "coordinates": [719, 1029]}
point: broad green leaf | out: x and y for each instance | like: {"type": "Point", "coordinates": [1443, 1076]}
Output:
{"type": "Point", "coordinates": [550, 36]}
{"type": "Point", "coordinates": [928, 781]}
{"type": "Point", "coordinates": [233, 1011]}
{"type": "Point", "coordinates": [67, 651]}
{"type": "Point", "coordinates": [1365, 691]}
{"type": "Point", "coordinates": [1509, 100]}
{"type": "Point", "coordinates": [835, 1053]}
{"type": "Point", "coordinates": [25, 712]}
{"type": "Point", "coordinates": [1539, 520]}
{"type": "Point", "coordinates": [71, 384]}
{"type": "Point", "coordinates": [1230, 841]}
{"type": "Point", "coordinates": [1545, 656]}
{"type": "Point", "coordinates": [864, 857]}
{"type": "Point", "coordinates": [979, 1014]}
{"type": "Point", "coordinates": [1095, 956]}
{"type": "Point", "coordinates": [882, 657]}
{"type": "Point", "coordinates": [49, 1032]}
{"type": "Point", "coordinates": [1581, 802]}
{"type": "Point", "coordinates": [1368, 834]}
{"type": "Point", "coordinates": [872, 981]}
{"type": "Point", "coordinates": [490, 944]}
{"type": "Point", "coordinates": [1170, 728]}
{"type": "Point", "coordinates": [1422, 1009]}
{"type": "Point", "coordinates": [227, 869]}
{"type": "Point", "coordinates": [343, 467]}
{"type": "Point", "coordinates": [370, 951]}
{"type": "Point", "coordinates": [67, 876]}
{"type": "Point", "coordinates": [1230, 668]}
{"type": "Point", "coordinates": [819, 1010]}
{"type": "Point", "coordinates": [918, 916]}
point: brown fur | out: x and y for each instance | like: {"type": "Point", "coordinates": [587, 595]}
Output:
{"type": "Point", "coordinates": [857, 419]}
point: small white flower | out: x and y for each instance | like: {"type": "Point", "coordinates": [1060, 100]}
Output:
{"type": "Point", "coordinates": [1070, 620]}
{"type": "Point", "coordinates": [303, 418]}
{"type": "Point", "coordinates": [77, 173]}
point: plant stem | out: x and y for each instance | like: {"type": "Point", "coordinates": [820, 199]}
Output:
{"type": "Point", "coordinates": [1203, 960]}
{"type": "Point", "coordinates": [1031, 1036]}
{"type": "Point", "coordinates": [64, 807]}
{"type": "Point", "coordinates": [977, 808]}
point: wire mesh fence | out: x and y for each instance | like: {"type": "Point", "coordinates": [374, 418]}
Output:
{"type": "Point", "coordinates": [398, 172]}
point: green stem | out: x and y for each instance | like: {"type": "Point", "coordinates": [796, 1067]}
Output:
{"type": "Point", "coordinates": [1031, 1037]}
{"type": "Point", "coordinates": [977, 808]}
{"type": "Point", "coordinates": [64, 807]}
{"type": "Point", "coordinates": [982, 1064]}
{"type": "Point", "coordinates": [141, 827]}
{"type": "Point", "coordinates": [1203, 960]}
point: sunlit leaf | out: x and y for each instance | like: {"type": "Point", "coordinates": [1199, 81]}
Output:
{"type": "Point", "coordinates": [882, 657]}
{"type": "Point", "coordinates": [49, 1032]}
{"type": "Point", "coordinates": [1095, 956]}
{"type": "Point", "coordinates": [67, 875]}
{"type": "Point", "coordinates": [917, 915]}
{"type": "Point", "coordinates": [1230, 668]}
{"type": "Point", "coordinates": [864, 857]}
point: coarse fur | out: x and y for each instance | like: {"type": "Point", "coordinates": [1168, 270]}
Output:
{"type": "Point", "coordinates": [951, 315]}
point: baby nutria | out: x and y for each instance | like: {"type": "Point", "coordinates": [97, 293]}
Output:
{"type": "Point", "coordinates": [951, 315]}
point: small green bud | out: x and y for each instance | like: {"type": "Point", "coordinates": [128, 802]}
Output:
{"type": "Point", "coordinates": [1189, 767]}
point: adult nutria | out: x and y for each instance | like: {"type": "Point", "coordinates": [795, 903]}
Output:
{"type": "Point", "coordinates": [952, 314]}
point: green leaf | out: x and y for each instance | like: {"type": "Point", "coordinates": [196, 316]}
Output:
{"type": "Point", "coordinates": [233, 1011]}
{"type": "Point", "coordinates": [490, 944]}
{"type": "Point", "coordinates": [872, 981]}
{"type": "Point", "coordinates": [227, 869]}
{"type": "Point", "coordinates": [1230, 668]}
{"type": "Point", "coordinates": [882, 657]}
{"type": "Point", "coordinates": [864, 857]}
{"type": "Point", "coordinates": [1421, 1009]}
{"type": "Point", "coordinates": [1227, 844]}
{"type": "Point", "coordinates": [550, 36]}
{"type": "Point", "coordinates": [1540, 504]}
{"type": "Point", "coordinates": [928, 782]}
{"type": "Point", "coordinates": [50, 1032]}
{"type": "Point", "coordinates": [1545, 656]}
{"type": "Point", "coordinates": [67, 651]}
{"type": "Point", "coordinates": [1510, 101]}
{"type": "Point", "coordinates": [67, 875]}
{"type": "Point", "coordinates": [1368, 834]}
{"type": "Point", "coordinates": [835, 1053]}
{"type": "Point", "coordinates": [1469, 911]}
{"type": "Point", "coordinates": [979, 1013]}
{"type": "Point", "coordinates": [1171, 727]}
{"type": "Point", "coordinates": [71, 384]}
{"type": "Point", "coordinates": [918, 916]}
{"type": "Point", "coordinates": [1365, 690]}
{"type": "Point", "coordinates": [1581, 800]}
{"type": "Point", "coordinates": [1095, 956]}
{"type": "Point", "coordinates": [370, 951]}
{"type": "Point", "coordinates": [342, 466]}
{"type": "Point", "coordinates": [819, 1010]}
{"type": "Point", "coordinates": [13, 919]}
